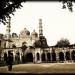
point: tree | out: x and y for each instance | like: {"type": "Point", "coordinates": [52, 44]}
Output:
{"type": "Point", "coordinates": [63, 43]}
{"type": "Point", "coordinates": [41, 43]}
{"type": "Point", "coordinates": [68, 3]}
{"type": "Point", "coordinates": [7, 7]}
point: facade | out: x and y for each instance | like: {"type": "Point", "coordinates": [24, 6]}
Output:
{"type": "Point", "coordinates": [31, 47]}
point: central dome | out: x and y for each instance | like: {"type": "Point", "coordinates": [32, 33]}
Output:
{"type": "Point", "coordinates": [24, 32]}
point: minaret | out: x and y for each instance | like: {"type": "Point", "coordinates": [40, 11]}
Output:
{"type": "Point", "coordinates": [40, 28]}
{"type": "Point", "coordinates": [8, 33]}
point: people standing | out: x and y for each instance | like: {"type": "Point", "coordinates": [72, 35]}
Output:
{"type": "Point", "coordinates": [10, 60]}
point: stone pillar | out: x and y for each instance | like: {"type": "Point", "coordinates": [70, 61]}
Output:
{"type": "Point", "coordinates": [13, 56]}
{"type": "Point", "coordinates": [57, 57]}
{"type": "Point", "coordinates": [64, 56]}
{"type": "Point", "coordinates": [51, 54]}
{"type": "Point", "coordinates": [40, 58]}
{"type": "Point", "coordinates": [20, 56]}
{"type": "Point", "coordinates": [34, 56]}
{"type": "Point", "coordinates": [46, 57]}
{"type": "Point", "coordinates": [70, 55]}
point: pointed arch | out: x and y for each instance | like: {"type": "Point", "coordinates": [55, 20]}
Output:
{"type": "Point", "coordinates": [73, 55]}
{"type": "Point", "coordinates": [5, 56]}
{"type": "Point", "coordinates": [48, 57]}
{"type": "Point", "coordinates": [24, 43]}
{"type": "Point", "coordinates": [53, 56]}
{"type": "Point", "coordinates": [38, 56]}
{"type": "Point", "coordinates": [43, 57]}
{"type": "Point", "coordinates": [61, 56]}
{"type": "Point", "coordinates": [13, 46]}
{"type": "Point", "coordinates": [29, 57]}
{"type": "Point", "coordinates": [24, 46]}
{"type": "Point", "coordinates": [67, 55]}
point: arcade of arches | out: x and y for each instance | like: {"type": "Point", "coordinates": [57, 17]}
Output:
{"type": "Point", "coordinates": [39, 55]}
{"type": "Point", "coordinates": [20, 44]}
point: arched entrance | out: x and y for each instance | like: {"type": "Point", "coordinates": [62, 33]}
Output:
{"type": "Point", "coordinates": [61, 56]}
{"type": "Point", "coordinates": [5, 56]}
{"type": "Point", "coordinates": [43, 57]}
{"type": "Point", "coordinates": [67, 55]}
{"type": "Point", "coordinates": [48, 57]}
{"type": "Point", "coordinates": [11, 53]}
{"type": "Point", "coordinates": [23, 58]}
{"type": "Point", "coordinates": [53, 57]}
{"type": "Point", "coordinates": [73, 55]}
{"type": "Point", "coordinates": [17, 57]}
{"type": "Point", "coordinates": [38, 56]}
{"type": "Point", "coordinates": [13, 46]}
{"type": "Point", "coordinates": [24, 47]}
{"type": "Point", "coordinates": [29, 57]}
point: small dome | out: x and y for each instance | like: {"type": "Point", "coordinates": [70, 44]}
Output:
{"type": "Point", "coordinates": [34, 33]}
{"type": "Point", "coordinates": [24, 32]}
{"type": "Point", "coordinates": [14, 35]}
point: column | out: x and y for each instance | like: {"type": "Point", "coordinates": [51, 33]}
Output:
{"type": "Point", "coordinates": [40, 58]}
{"type": "Point", "coordinates": [64, 56]}
{"type": "Point", "coordinates": [34, 56]}
{"type": "Point", "coordinates": [13, 56]}
{"type": "Point", "coordinates": [20, 56]}
{"type": "Point", "coordinates": [70, 55]}
{"type": "Point", "coordinates": [51, 54]}
{"type": "Point", "coordinates": [46, 57]}
{"type": "Point", "coordinates": [57, 57]}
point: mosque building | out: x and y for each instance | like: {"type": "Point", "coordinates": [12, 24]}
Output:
{"type": "Point", "coordinates": [32, 47]}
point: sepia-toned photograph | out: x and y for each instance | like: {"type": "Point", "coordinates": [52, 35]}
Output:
{"type": "Point", "coordinates": [37, 37]}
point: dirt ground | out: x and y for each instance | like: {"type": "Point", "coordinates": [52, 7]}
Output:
{"type": "Point", "coordinates": [41, 68]}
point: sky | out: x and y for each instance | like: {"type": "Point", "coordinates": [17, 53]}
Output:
{"type": "Point", "coordinates": [57, 22]}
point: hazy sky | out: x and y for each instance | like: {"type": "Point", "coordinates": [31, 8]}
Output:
{"type": "Point", "coordinates": [57, 23]}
